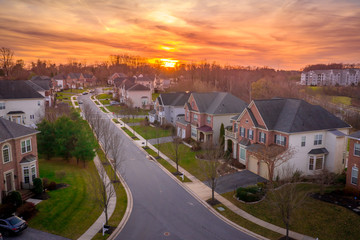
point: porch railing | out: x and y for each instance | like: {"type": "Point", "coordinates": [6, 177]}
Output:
{"type": "Point", "coordinates": [230, 134]}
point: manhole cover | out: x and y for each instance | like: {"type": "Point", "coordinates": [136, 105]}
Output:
{"type": "Point", "coordinates": [166, 234]}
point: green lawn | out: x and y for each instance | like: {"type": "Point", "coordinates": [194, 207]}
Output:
{"type": "Point", "coordinates": [247, 224]}
{"type": "Point", "coordinates": [74, 91]}
{"type": "Point", "coordinates": [115, 120]}
{"type": "Point", "coordinates": [76, 103]}
{"type": "Point", "coordinates": [115, 108]}
{"type": "Point", "coordinates": [105, 102]}
{"type": "Point", "coordinates": [187, 158]}
{"type": "Point", "coordinates": [129, 133]}
{"type": "Point", "coordinates": [132, 120]}
{"type": "Point", "coordinates": [67, 207]}
{"type": "Point", "coordinates": [97, 103]}
{"type": "Point", "coordinates": [166, 165]}
{"type": "Point", "coordinates": [103, 109]}
{"type": "Point", "coordinates": [314, 218]}
{"type": "Point", "coordinates": [341, 100]}
{"type": "Point", "coordinates": [104, 96]}
{"type": "Point", "coordinates": [148, 132]}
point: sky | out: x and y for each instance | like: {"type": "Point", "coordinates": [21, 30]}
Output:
{"type": "Point", "coordinates": [283, 34]}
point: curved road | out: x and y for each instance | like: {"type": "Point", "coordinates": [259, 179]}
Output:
{"type": "Point", "coordinates": [162, 209]}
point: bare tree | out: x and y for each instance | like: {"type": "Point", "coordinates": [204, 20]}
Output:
{"type": "Point", "coordinates": [323, 178]}
{"type": "Point", "coordinates": [273, 156]}
{"type": "Point", "coordinates": [287, 198]}
{"type": "Point", "coordinates": [6, 60]}
{"type": "Point", "coordinates": [210, 166]}
{"type": "Point", "coordinates": [117, 152]}
{"type": "Point", "coordinates": [176, 141]}
{"type": "Point", "coordinates": [103, 190]}
{"type": "Point", "coordinates": [106, 136]}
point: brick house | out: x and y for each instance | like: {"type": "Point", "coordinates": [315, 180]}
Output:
{"type": "Point", "coordinates": [204, 114]}
{"type": "Point", "coordinates": [19, 158]}
{"type": "Point", "coordinates": [352, 174]}
{"type": "Point", "coordinates": [317, 136]}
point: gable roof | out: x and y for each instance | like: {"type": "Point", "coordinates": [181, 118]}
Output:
{"type": "Point", "coordinates": [19, 89]}
{"type": "Point", "coordinates": [87, 75]}
{"type": "Point", "coordinates": [218, 103]}
{"type": "Point", "coordinates": [144, 79]}
{"type": "Point", "coordinates": [174, 99]}
{"type": "Point", "coordinates": [59, 76]}
{"type": "Point", "coordinates": [295, 115]}
{"type": "Point", "coordinates": [355, 135]}
{"type": "Point", "coordinates": [74, 75]}
{"type": "Point", "coordinates": [37, 77]}
{"type": "Point", "coordinates": [39, 85]}
{"type": "Point", "coordinates": [127, 84]}
{"type": "Point", "coordinates": [10, 130]}
{"type": "Point", "coordinates": [138, 87]}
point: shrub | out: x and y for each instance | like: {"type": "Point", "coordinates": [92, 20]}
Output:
{"type": "Point", "coordinates": [6, 210]}
{"type": "Point", "coordinates": [13, 198]}
{"type": "Point", "coordinates": [45, 182]}
{"type": "Point", "coordinates": [52, 186]}
{"type": "Point", "coordinates": [196, 146]}
{"type": "Point", "coordinates": [26, 211]}
{"type": "Point", "coordinates": [249, 194]}
{"type": "Point", "coordinates": [341, 178]}
{"type": "Point", "coordinates": [38, 186]}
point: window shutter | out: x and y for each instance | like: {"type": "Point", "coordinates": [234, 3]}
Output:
{"type": "Point", "coordinates": [248, 133]}
{"type": "Point", "coordinates": [264, 137]}
{"type": "Point", "coordinates": [275, 138]}
{"type": "Point", "coordinates": [284, 141]}
{"type": "Point", "coordinates": [259, 136]}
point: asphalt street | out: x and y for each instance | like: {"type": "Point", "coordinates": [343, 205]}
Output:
{"type": "Point", "coordinates": [162, 209]}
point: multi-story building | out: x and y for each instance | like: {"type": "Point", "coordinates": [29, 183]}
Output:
{"type": "Point", "coordinates": [317, 137]}
{"type": "Point", "coordinates": [44, 87]}
{"type": "Point", "coordinates": [352, 175]}
{"type": "Point", "coordinates": [204, 114]}
{"type": "Point", "coordinates": [332, 77]}
{"type": "Point", "coordinates": [18, 156]}
{"type": "Point", "coordinates": [169, 107]}
{"type": "Point", "coordinates": [147, 81]}
{"type": "Point", "coordinates": [21, 103]}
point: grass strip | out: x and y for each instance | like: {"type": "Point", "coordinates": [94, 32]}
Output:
{"type": "Point", "coordinates": [130, 133]}
{"type": "Point", "coordinates": [115, 120]}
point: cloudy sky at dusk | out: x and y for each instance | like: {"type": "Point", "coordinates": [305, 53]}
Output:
{"type": "Point", "coordinates": [280, 34]}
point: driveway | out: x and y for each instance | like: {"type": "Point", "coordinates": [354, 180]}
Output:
{"type": "Point", "coordinates": [232, 181]}
{"type": "Point", "coordinates": [162, 209]}
{"type": "Point", "coordinates": [33, 234]}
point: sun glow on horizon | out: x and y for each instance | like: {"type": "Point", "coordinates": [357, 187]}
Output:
{"type": "Point", "coordinates": [164, 62]}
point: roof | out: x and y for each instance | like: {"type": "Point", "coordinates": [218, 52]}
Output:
{"type": "Point", "coordinates": [205, 129]}
{"type": "Point", "coordinates": [319, 151]}
{"type": "Point", "coordinates": [39, 85]}
{"type": "Point", "coordinates": [145, 79]}
{"type": "Point", "coordinates": [18, 89]}
{"type": "Point", "coordinates": [74, 75]}
{"type": "Point", "coordinates": [295, 115]}
{"type": "Point", "coordinates": [87, 75]}
{"type": "Point", "coordinates": [174, 99]}
{"type": "Point", "coordinates": [182, 121]}
{"type": "Point", "coordinates": [37, 77]}
{"type": "Point", "coordinates": [59, 77]}
{"type": "Point", "coordinates": [337, 133]}
{"type": "Point", "coordinates": [127, 84]}
{"type": "Point", "coordinates": [218, 103]}
{"type": "Point", "coordinates": [28, 159]}
{"type": "Point", "coordinates": [15, 112]}
{"type": "Point", "coordinates": [355, 135]}
{"type": "Point", "coordinates": [138, 87]}
{"type": "Point", "coordinates": [10, 130]}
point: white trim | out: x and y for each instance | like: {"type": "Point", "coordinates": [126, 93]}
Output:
{"type": "Point", "coordinates": [9, 152]}
{"type": "Point", "coordinates": [25, 146]}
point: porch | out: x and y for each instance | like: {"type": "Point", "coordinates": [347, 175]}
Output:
{"type": "Point", "coordinates": [205, 134]}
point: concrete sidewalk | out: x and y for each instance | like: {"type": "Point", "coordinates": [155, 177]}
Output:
{"type": "Point", "coordinates": [98, 224]}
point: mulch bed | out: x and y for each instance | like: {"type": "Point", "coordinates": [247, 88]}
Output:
{"type": "Point", "coordinates": [42, 196]}
{"type": "Point", "coordinates": [284, 238]}
{"type": "Point", "coordinates": [213, 202]}
{"type": "Point", "coordinates": [236, 163]}
{"type": "Point", "coordinates": [339, 198]}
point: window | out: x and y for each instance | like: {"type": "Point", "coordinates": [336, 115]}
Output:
{"type": "Point", "coordinates": [208, 119]}
{"type": "Point", "coordinates": [250, 134]}
{"type": "Point", "coordinates": [280, 140]}
{"type": "Point", "coordinates": [242, 131]}
{"type": "Point", "coordinates": [33, 172]}
{"type": "Point", "coordinates": [32, 116]}
{"type": "Point", "coordinates": [2, 106]}
{"type": "Point", "coordinates": [242, 153]}
{"type": "Point", "coordinates": [193, 132]}
{"type": "Point", "coordinates": [38, 103]}
{"type": "Point", "coordinates": [311, 163]}
{"type": "Point", "coordinates": [26, 175]}
{"type": "Point", "coordinates": [354, 175]}
{"type": "Point", "coordinates": [195, 117]}
{"type": "Point", "coordinates": [262, 137]}
{"type": "Point", "coordinates": [6, 153]}
{"type": "Point", "coordinates": [303, 141]}
{"type": "Point", "coordinates": [235, 128]}
{"type": "Point", "coordinates": [316, 162]}
{"type": "Point", "coordinates": [357, 149]}
{"type": "Point", "coordinates": [318, 139]}
{"type": "Point", "coordinates": [26, 146]}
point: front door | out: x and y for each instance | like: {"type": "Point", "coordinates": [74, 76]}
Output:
{"type": "Point", "coordinates": [183, 133]}
{"type": "Point", "coordinates": [9, 182]}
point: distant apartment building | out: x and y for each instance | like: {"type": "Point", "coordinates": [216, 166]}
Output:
{"type": "Point", "coordinates": [332, 77]}
{"type": "Point", "coordinates": [21, 103]}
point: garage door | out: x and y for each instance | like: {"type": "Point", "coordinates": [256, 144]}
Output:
{"type": "Point", "coordinates": [252, 164]}
{"type": "Point", "coordinates": [263, 170]}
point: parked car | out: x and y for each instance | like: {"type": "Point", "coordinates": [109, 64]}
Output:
{"type": "Point", "coordinates": [80, 102]}
{"type": "Point", "coordinates": [85, 93]}
{"type": "Point", "coordinates": [12, 225]}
